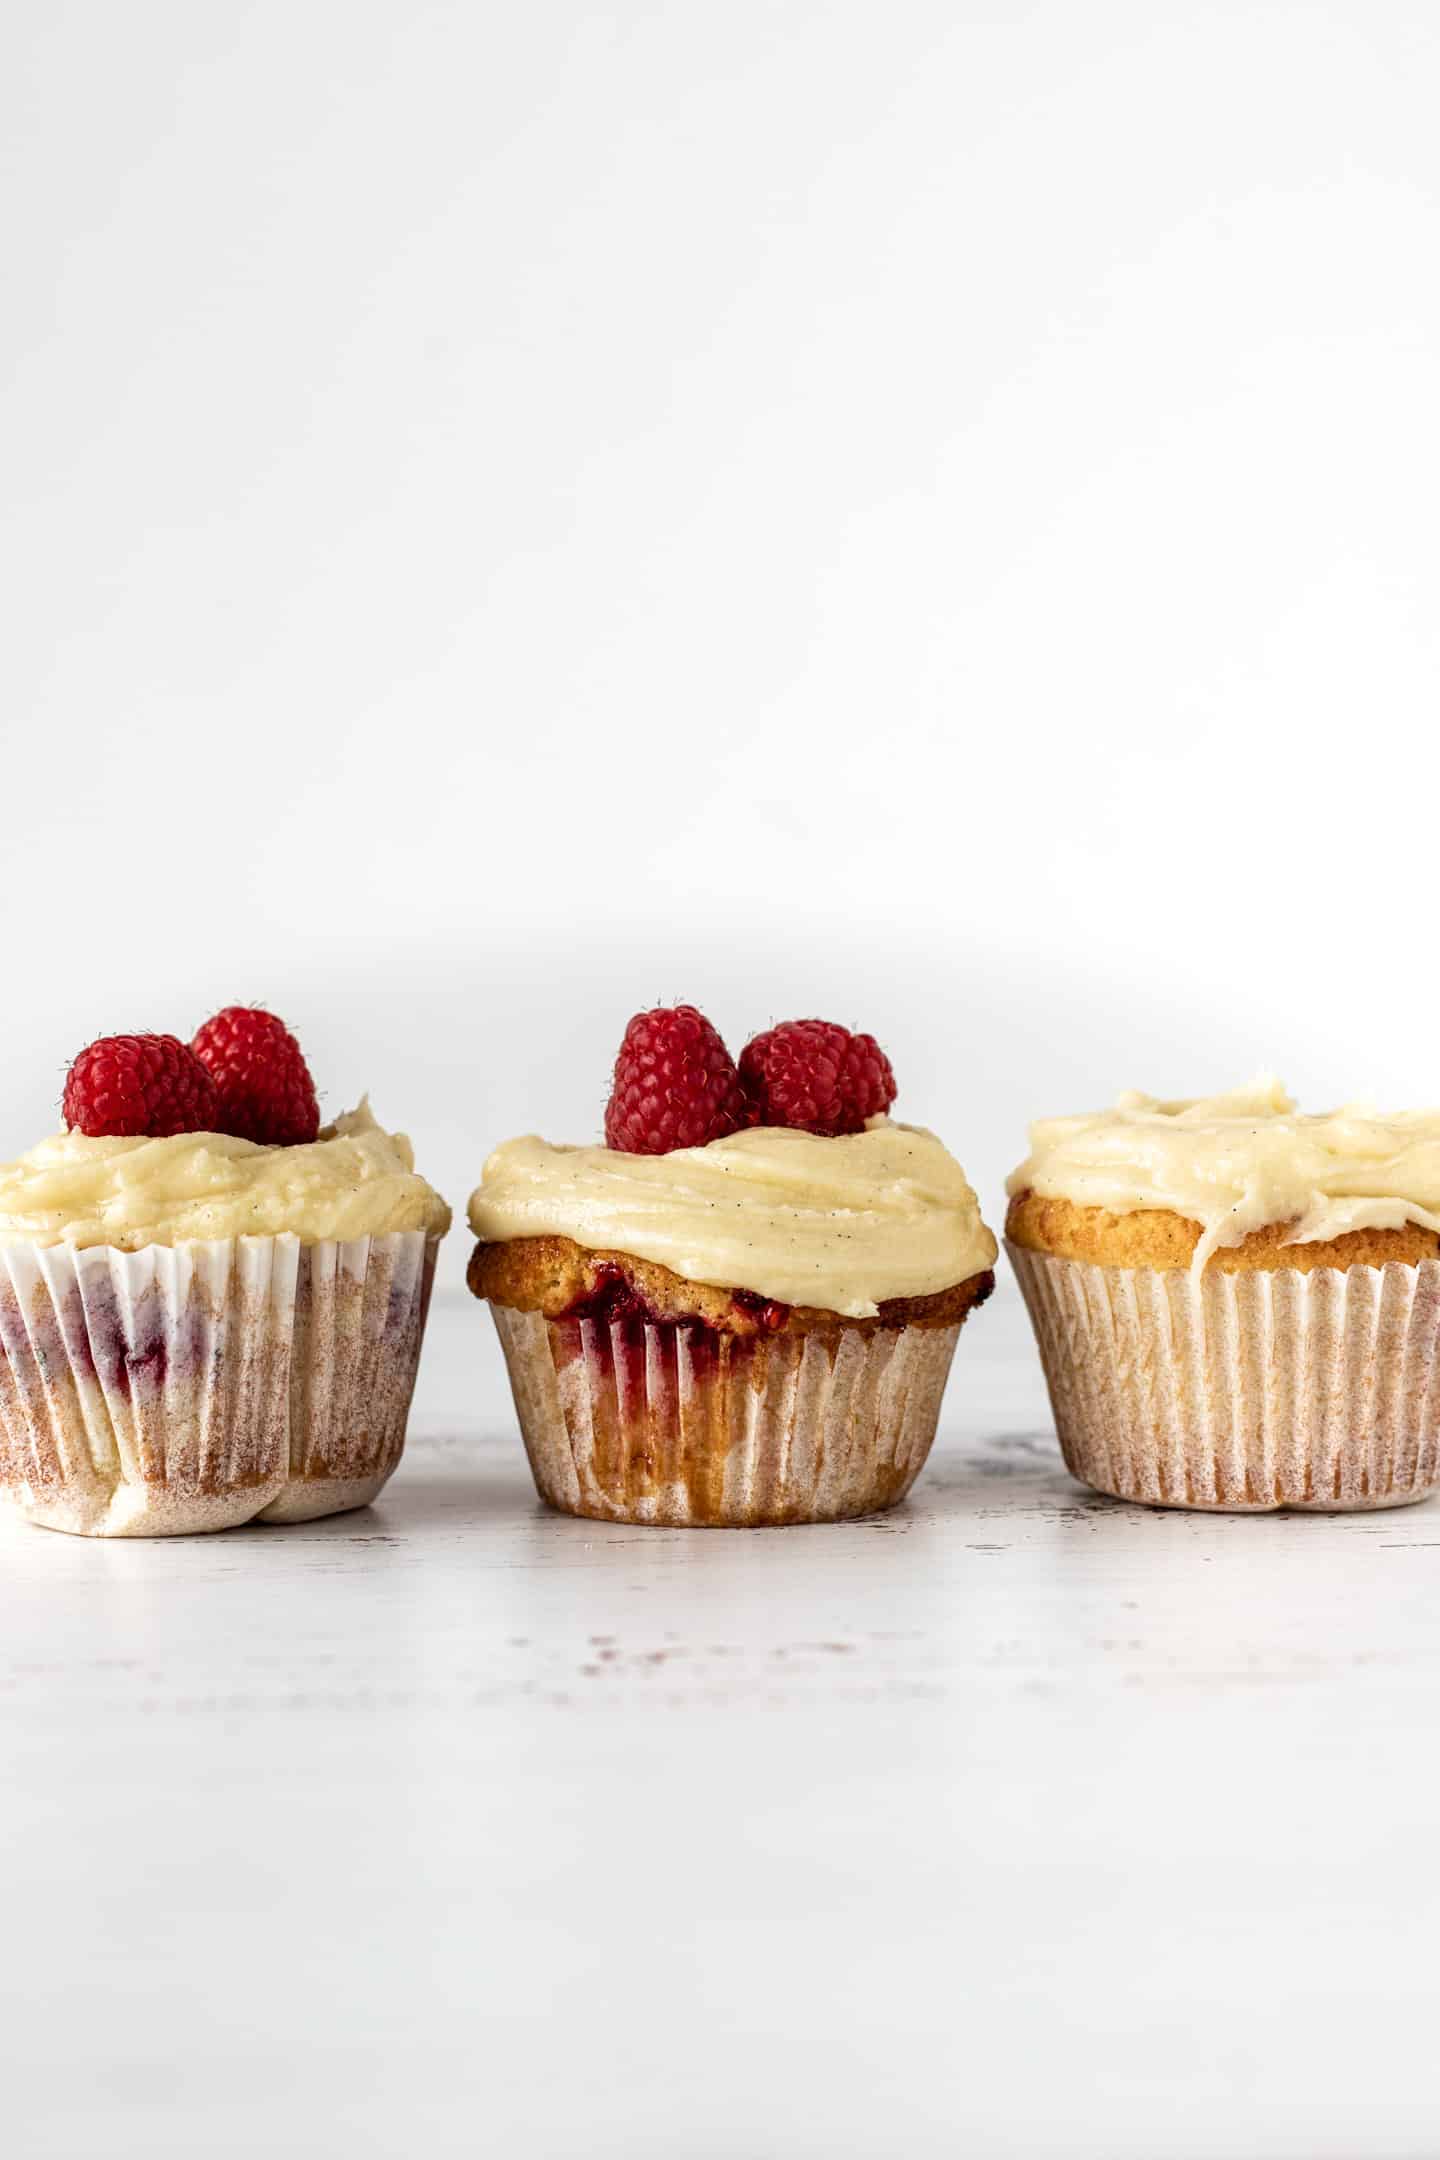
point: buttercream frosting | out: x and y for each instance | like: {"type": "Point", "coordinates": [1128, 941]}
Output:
{"type": "Point", "coordinates": [355, 1180]}
{"type": "Point", "coordinates": [1236, 1162]}
{"type": "Point", "coordinates": [840, 1224]}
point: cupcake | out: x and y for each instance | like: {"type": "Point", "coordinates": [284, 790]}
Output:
{"type": "Point", "coordinates": [742, 1309]}
{"type": "Point", "coordinates": [1237, 1306]}
{"type": "Point", "coordinates": [211, 1307]}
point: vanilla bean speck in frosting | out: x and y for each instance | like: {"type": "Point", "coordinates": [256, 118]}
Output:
{"type": "Point", "coordinates": [1234, 1163]}
{"type": "Point", "coordinates": [839, 1224]}
{"type": "Point", "coordinates": [355, 1180]}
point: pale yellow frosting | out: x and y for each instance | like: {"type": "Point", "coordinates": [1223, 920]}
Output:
{"type": "Point", "coordinates": [356, 1180]}
{"type": "Point", "coordinates": [1235, 1162]}
{"type": "Point", "coordinates": [839, 1224]}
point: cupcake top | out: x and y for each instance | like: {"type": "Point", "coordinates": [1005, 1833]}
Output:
{"type": "Point", "coordinates": [1239, 1162]}
{"type": "Point", "coordinates": [839, 1222]}
{"type": "Point", "coordinates": [353, 1180]}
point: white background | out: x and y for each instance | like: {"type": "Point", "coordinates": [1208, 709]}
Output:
{"type": "Point", "coordinates": [920, 514]}
{"type": "Point", "coordinates": [916, 513]}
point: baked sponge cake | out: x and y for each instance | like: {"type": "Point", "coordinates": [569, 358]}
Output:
{"type": "Point", "coordinates": [754, 1328]}
{"type": "Point", "coordinates": [1237, 1304]}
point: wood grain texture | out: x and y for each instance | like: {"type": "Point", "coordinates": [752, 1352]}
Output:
{"type": "Point", "coordinates": [1016, 1821]}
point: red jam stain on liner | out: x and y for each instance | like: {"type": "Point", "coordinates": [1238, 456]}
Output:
{"type": "Point", "coordinates": [658, 1383]}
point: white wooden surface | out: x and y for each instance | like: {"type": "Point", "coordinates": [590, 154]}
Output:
{"type": "Point", "coordinates": [1018, 1822]}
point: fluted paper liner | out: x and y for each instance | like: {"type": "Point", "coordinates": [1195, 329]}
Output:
{"type": "Point", "coordinates": [633, 1422]}
{"type": "Point", "coordinates": [1245, 1390]}
{"type": "Point", "coordinates": [200, 1385]}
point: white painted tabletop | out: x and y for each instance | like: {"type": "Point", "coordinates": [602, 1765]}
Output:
{"type": "Point", "coordinates": [1016, 1822]}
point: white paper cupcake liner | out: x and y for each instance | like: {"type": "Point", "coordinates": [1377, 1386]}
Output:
{"type": "Point", "coordinates": [360, 1311]}
{"type": "Point", "coordinates": [196, 1386]}
{"type": "Point", "coordinates": [1247, 1390]}
{"type": "Point", "coordinates": [632, 1422]}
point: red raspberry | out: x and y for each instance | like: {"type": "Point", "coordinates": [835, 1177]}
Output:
{"type": "Point", "coordinates": [134, 1085]}
{"type": "Point", "coordinates": [816, 1076]}
{"type": "Point", "coordinates": [675, 1085]}
{"type": "Point", "coordinates": [262, 1082]}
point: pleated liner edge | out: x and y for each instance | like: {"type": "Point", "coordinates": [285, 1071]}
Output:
{"type": "Point", "coordinates": [1245, 1391]}
{"type": "Point", "coordinates": [632, 1422]}
{"type": "Point", "coordinates": [197, 1386]}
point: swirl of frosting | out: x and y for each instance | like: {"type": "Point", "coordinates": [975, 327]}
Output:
{"type": "Point", "coordinates": [1237, 1162]}
{"type": "Point", "coordinates": [355, 1180]}
{"type": "Point", "coordinates": [841, 1224]}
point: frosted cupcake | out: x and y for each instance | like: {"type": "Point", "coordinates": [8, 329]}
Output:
{"type": "Point", "coordinates": [198, 1328]}
{"type": "Point", "coordinates": [1237, 1306]}
{"type": "Point", "coordinates": [728, 1315]}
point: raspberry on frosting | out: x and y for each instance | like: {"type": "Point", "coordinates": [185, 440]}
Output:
{"type": "Point", "coordinates": [138, 1086]}
{"type": "Point", "coordinates": [675, 1085]}
{"type": "Point", "coordinates": [816, 1076]}
{"type": "Point", "coordinates": [262, 1082]}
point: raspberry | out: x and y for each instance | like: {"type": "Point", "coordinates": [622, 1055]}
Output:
{"type": "Point", "coordinates": [675, 1085]}
{"type": "Point", "coordinates": [138, 1085]}
{"type": "Point", "coordinates": [816, 1076]}
{"type": "Point", "coordinates": [262, 1083]}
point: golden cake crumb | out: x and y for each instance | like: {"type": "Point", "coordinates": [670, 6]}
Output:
{"type": "Point", "coordinates": [552, 1275]}
{"type": "Point", "coordinates": [1157, 1238]}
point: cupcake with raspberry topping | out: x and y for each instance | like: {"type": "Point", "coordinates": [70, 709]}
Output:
{"type": "Point", "coordinates": [211, 1307]}
{"type": "Point", "coordinates": [743, 1308]}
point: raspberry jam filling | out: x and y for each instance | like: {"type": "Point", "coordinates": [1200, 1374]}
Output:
{"type": "Point", "coordinates": [768, 1313]}
{"type": "Point", "coordinates": [614, 1297]}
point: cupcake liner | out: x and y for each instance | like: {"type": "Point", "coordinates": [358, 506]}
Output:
{"type": "Point", "coordinates": [1245, 1391]}
{"type": "Point", "coordinates": [635, 1422]}
{"type": "Point", "coordinates": [360, 1312]}
{"type": "Point", "coordinates": [201, 1385]}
